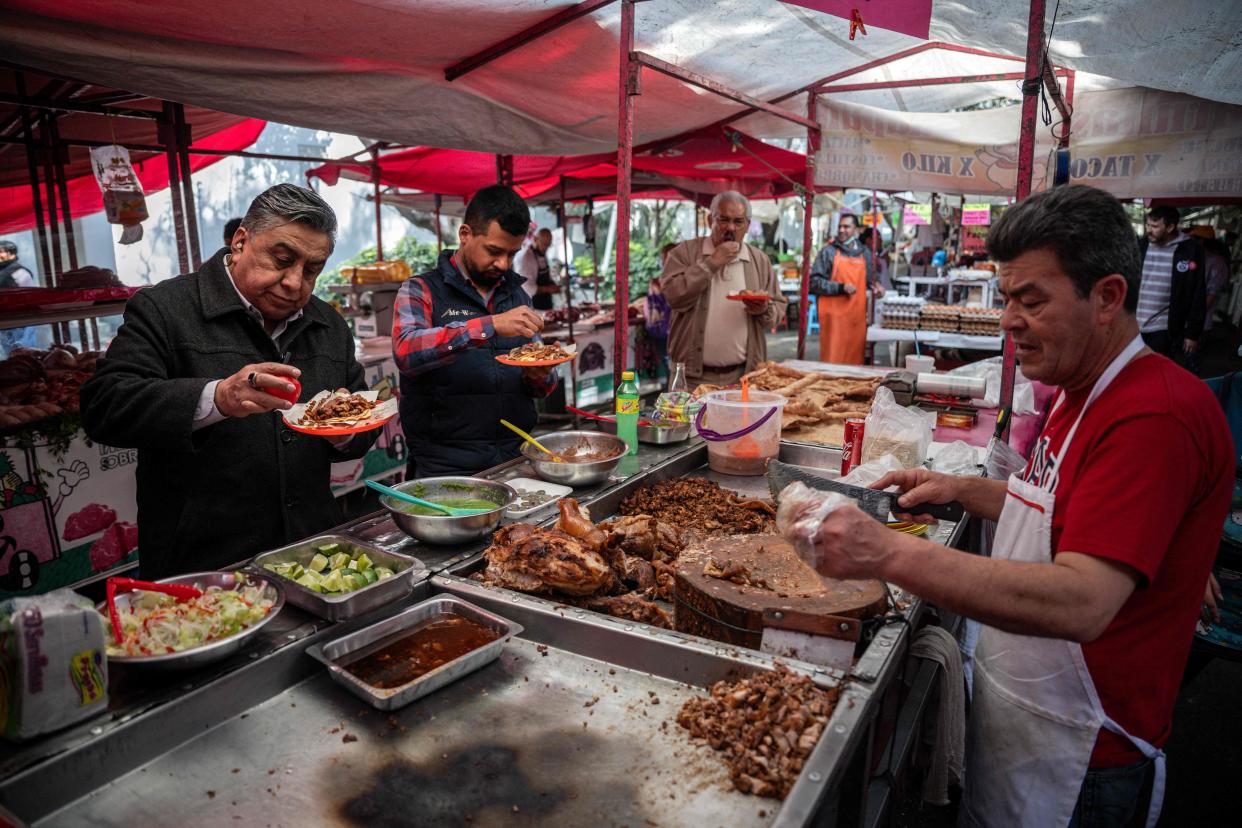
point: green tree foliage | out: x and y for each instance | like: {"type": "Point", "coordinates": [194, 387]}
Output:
{"type": "Point", "coordinates": [420, 256]}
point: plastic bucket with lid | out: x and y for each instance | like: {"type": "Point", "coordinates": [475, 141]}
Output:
{"type": "Point", "coordinates": [741, 435]}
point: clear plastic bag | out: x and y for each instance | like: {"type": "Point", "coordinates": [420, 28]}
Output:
{"type": "Point", "coordinates": [958, 458]}
{"type": "Point", "coordinates": [802, 510]}
{"type": "Point", "coordinates": [124, 202]}
{"type": "Point", "coordinates": [894, 429]}
{"type": "Point", "coordinates": [868, 473]}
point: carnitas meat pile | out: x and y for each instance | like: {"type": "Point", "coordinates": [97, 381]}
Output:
{"type": "Point", "coordinates": [538, 352]}
{"type": "Point", "coordinates": [701, 506]}
{"type": "Point", "coordinates": [337, 409]}
{"type": "Point", "coordinates": [618, 567]}
{"type": "Point", "coordinates": [35, 385]}
{"type": "Point", "coordinates": [766, 726]}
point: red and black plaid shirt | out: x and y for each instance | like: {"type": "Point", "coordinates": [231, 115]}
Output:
{"type": "Point", "coordinates": [418, 346]}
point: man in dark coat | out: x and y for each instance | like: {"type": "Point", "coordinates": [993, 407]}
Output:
{"type": "Point", "coordinates": [449, 326]}
{"type": "Point", "coordinates": [185, 381]}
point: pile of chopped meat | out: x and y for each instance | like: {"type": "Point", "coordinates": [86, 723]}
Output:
{"type": "Point", "coordinates": [537, 352]}
{"type": "Point", "coordinates": [766, 726]}
{"type": "Point", "coordinates": [734, 571]}
{"type": "Point", "coordinates": [616, 568]}
{"type": "Point", "coordinates": [701, 506]}
{"type": "Point", "coordinates": [337, 409]}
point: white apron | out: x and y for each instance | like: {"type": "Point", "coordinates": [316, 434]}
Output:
{"type": "Point", "coordinates": [1035, 712]}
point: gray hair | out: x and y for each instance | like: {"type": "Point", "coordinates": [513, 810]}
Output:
{"type": "Point", "coordinates": [287, 203]}
{"type": "Point", "coordinates": [729, 195]}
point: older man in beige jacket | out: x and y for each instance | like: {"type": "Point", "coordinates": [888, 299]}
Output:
{"type": "Point", "coordinates": [718, 338]}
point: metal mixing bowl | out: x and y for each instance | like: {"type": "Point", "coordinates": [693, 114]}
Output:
{"type": "Point", "coordinates": [663, 435]}
{"type": "Point", "coordinates": [575, 474]}
{"type": "Point", "coordinates": [213, 650]}
{"type": "Point", "coordinates": [442, 529]}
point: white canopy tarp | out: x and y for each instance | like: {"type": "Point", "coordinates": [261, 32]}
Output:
{"type": "Point", "coordinates": [375, 67]}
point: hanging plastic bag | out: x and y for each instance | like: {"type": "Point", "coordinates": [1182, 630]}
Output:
{"type": "Point", "coordinates": [894, 429]}
{"type": "Point", "coordinates": [124, 202]}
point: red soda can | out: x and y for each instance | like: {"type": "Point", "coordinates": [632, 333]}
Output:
{"type": "Point", "coordinates": [851, 446]}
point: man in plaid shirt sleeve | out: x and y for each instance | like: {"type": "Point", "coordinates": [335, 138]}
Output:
{"type": "Point", "coordinates": [449, 326]}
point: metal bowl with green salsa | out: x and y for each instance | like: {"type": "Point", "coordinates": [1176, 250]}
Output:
{"type": "Point", "coordinates": [429, 526]}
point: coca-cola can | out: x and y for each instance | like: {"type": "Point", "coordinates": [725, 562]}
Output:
{"type": "Point", "coordinates": [851, 446]}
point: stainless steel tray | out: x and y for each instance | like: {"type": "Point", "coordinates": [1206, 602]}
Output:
{"type": "Point", "coordinates": [564, 726]}
{"type": "Point", "coordinates": [347, 604]}
{"type": "Point", "coordinates": [329, 653]}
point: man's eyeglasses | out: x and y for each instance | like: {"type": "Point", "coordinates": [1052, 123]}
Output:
{"type": "Point", "coordinates": [737, 222]}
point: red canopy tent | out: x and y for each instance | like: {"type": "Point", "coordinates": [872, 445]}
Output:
{"type": "Point", "coordinates": [702, 163]}
{"type": "Point", "coordinates": [16, 201]}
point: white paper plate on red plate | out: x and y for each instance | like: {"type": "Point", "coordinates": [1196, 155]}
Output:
{"type": "Point", "coordinates": [379, 416]}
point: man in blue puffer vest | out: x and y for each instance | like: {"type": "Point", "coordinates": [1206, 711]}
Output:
{"type": "Point", "coordinates": [449, 326]}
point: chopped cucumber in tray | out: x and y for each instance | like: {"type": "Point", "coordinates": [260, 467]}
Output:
{"type": "Point", "coordinates": [334, 568]}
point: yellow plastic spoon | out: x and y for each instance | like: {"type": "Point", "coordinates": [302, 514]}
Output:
{"type": "Point", "coordinates": [556, 458]}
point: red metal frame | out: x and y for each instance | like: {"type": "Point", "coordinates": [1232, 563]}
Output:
{"type": "Point", "coordinates": [808, 220]}
{"type": "Point", "coordinates": [628, 86]}
{"type": "Point", "coordinates": [944, 81]}
{"type": "Point", "coordinates": [523, 37]}
{"type": "Point", "coordinates": [695, 79]}
{"type": "Point", "coordinates": [1026, 164]}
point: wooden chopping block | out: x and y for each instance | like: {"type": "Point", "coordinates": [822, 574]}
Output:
{"type": "Point", "coordinates": [733, 613]}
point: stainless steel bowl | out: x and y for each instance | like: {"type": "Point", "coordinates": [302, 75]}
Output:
{"type": "Point", "coordinates": [214, 650]}
{"type": "Point", "coordinates": [442, 529]}
{"type": "Point", "coordinates": [663, 435]}
{"type": "Point", "coordinates": [575, 474]}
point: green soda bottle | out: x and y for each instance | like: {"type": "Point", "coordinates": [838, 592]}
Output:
{"type": "Point", "coordinates": [627, 411]}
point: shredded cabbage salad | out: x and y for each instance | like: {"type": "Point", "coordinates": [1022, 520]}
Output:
{"type": "Point", "coordinates": [155, 624]}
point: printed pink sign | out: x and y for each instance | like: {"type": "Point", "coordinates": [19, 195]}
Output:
{"type": "Point", "coordinates": [976, 214]}
{"type": "Point", "coordinates": [912, 17]}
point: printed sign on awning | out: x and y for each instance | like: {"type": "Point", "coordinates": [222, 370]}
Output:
{"type": "Point", "coordinates": [1133, 143]}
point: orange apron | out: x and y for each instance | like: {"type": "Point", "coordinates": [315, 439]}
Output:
{"type": "Point", "coordinates": [843, 318]}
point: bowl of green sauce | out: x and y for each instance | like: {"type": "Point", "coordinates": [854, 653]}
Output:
{"type": "Point", "coordinates": [430, 526]}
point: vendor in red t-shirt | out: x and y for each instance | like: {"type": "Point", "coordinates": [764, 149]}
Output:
{"type": "Point", "coordinates": [1104, 543]}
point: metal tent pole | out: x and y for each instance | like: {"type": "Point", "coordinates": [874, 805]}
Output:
{"type": "Point", "coordinates": [628, 86]}
{"type": "Point", "coordinates": [569, 297]}
{"type": "Point", "coordinates": [32, 169]}
{"type": "Point", "coordinates": [439, 241]}
{"type": "Point", "coordinates": [379, 206]}
{"type": "Point", "coordinates": [182, 131]}
{"type": "Point", "coordinates": [808, 219]}
{"type": "Point", "coordinates": [1026, 161]}
{"type": "Point", "coordinates": [62, 192]}
{"type": "Point", "coordinates": [168, 137]}
{"type": "Point", "coordinates": [53, 223]}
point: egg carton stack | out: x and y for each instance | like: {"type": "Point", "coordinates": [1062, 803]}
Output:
{"type": "Point", "coordinates": [981, 321]}
{"type": "Point", "coordinates": [946, 318]}
{"type": "Point", "coordinates": [901, 313]}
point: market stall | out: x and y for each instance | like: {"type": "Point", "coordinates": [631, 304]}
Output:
{"type": "Point", "coordinates": [595, 691]}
